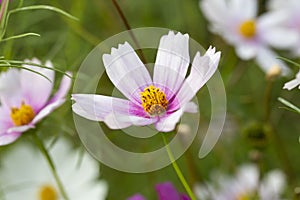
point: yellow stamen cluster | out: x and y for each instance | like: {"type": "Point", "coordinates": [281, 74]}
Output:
{"type": "Point", "coordinates": [23, 115]}
{"type": "Point", "coordinates": [154, 101]}
{"type": "Point", "coordinates": [248, 28]}
{"type": "Point", "coordinates": [47, 192]}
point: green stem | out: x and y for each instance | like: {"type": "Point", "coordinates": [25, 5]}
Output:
{"type": "Point", "coordinates": [45, 153]}
{"type": "Point", "coordinates": [276, 140]}
{"type": "Point", "coordinates": [126, 24]}
{"type": "Point", "coordinates": [177, 170]}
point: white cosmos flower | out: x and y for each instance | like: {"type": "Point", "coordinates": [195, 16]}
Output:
{"type": "Point", "coordinates": [244, 186]}
{"type": "Point", "coordinates": [160, 100]}
{"type": "Point", "coordinates": [293, 83]}
{"type": "Point", "coordinates": [237, 22]}
{"type": "Point", "coordinates": [25, 174]}
{"type": "Point", "coordinates": [290, 10]}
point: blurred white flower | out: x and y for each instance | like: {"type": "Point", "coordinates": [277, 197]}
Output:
{"type": "Point", "coordinates": [293, 83]}
{"type": "Point", "coordinates": [26, 175]}
{"type": "Point", "coordinates": [237, 22]}
{"type": "Point", "coordinates": [290, 10]}
{"type": "Point", "coordinates": [245, 185]}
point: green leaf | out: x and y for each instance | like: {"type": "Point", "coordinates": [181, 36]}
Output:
{"type": "Point", "coordinates": [20, 67]}
{"type": "Point", "coordinates": [289, 105]}
{"type": "Point", "coordinates": [289, 61]}
{"type": "Point", "coordinates": [35, 7]}
{"type": "Point", "coordinates": [44, 7]}
{"type": "Point", "coordinates": [20, 36]}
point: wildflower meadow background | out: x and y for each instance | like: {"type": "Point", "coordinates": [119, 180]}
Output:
{"type": "Point", "coordinates": [44, 43]}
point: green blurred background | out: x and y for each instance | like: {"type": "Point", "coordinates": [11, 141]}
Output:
{"type": "Point", "coordinates": [246, 133]}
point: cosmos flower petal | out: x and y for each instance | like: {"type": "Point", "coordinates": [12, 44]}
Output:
{"type": "Point", "coordinates": [10, 88]}
{"type": "Point", "coordinates": [64, 88]}
{"type": "Point", "coordinates": [120, 121]}
{"type": "Point", "coordinates": [136, 197]}
{"type": "Point", "coordinates": [273, 185]}
{"type": "Point", "coordinates": [247, 9]}
{"type": "Point", "coordinates": [266, 59]}
{"type": "Point", "coordinates": [246, 51]}
{"type": "Point", "coordinates": [127, 72]}
{"type": "Point", "coordinates": [36, 92]}
{"type": "Point", "coordinates": [8, 138]}
{"type": "Point", "coordinates": [280, 36]}
{"type": "Point", "coordinates": [203, 67]}
{"type": "Point", "coordinates": [215, 11]}
{"type": "Point", "coordinates": [20, 128]}
{"type": "Point", "coordinates": [166, 191]}
{"type": "Point", "coordinates": [172, 61]}
{"type": "Point", "coordinates": [47, 110]}
{"type": "Point", "coordinates": [291, 84]}
{"type": "Point", "coordinates": [169, 122]}
{"type": "Point", "coordinates": [98, 107]}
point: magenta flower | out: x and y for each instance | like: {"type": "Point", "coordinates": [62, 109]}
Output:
{"type": "Point", "coordinates": [160, 101]}
{"type": "Point", "coordinates": [165, 191]}
{"type": "Point", "coordinates": [25, 99]}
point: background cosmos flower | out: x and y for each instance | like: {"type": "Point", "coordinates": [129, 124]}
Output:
{"type": "Point", "coordinates": [244, 185]}
{"type": "Point", "coordinates": [26, 175]}
{"type": "Point", "coordinates": [237, 22]}
{"type": "Point", "coordinates": [25, 99]}
{"type": "Point", "coordinates": [162, 100]}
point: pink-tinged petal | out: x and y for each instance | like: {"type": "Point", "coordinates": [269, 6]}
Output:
{"type": "Point", "coordinates": [136, 197]}
{"type": "Point", "coordinates": [114, 112]}
{"type": "Point", "coordinates": [168, 123]}
{"type": "Point", "coordinates": [120, 121]}
{"type": "Point", "coordinates": [267, 59]}
{"type": "Point", "coordinates": [47, 110]}
{"type": "Point", "coordinates": [127, 72]}
{"type": "Point", "coordinates": [203, 68]}
{"type": "Point", "coordinates": [36, 88]}
{"type": "Point", "coordinates": [10, 88]}
{"type": "Point", "coordinates": [20, 129]}
{"type": "Point", "coordinates": [97, 107]}
{"type": "Point", "coordinates": [8, 138]}
{"type": "Point", "coordinates": [172, 61]}
{"type": "Point", "coordinates": [166, 191]}
{"type": "Point", "coordinates": [64, 88]}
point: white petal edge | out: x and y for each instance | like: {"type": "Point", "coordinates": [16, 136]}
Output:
{"type": "Point", "coordinates": [168, 123]}
{"type": "Point", "coordinates": [127, 72]}
{"type": "Point", "coordinates": [64, 88]}
{"type": "Point", "coordinates": [37, 89]}
{"type": "Point", "coordinates": [8, 138]}
{"type": "Point", "coordinates": [172, 61]}
{"type": "Point", "coordinates": [203, 67]}
{"type": "Point", "coordinates": [266, 59]}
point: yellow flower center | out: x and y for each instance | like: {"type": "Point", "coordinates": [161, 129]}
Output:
{"type": "Point", "coordinates": [244, 196]}
{"type": "Point", "coordinates": [47, 192]}
{"type": "Point", "coordinates": [248, 28]}
{"type": "Point", "coordinates": [154, 101]}
{"type": "Point", "coordinates": [23, 115]}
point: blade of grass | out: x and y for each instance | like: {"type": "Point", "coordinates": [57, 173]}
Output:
{"type": "Point", "coordinates": [289, 105]}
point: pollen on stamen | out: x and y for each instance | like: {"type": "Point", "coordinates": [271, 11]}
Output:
{"type": "Point", "coordinates": [154, 101]}
{"type": "Point", "coordinates": [248, 28]}
{"type": "Point", "coordinates": [23, 115]}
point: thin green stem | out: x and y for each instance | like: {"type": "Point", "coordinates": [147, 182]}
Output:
{"type": "Point", "coordinates": [45, 153]}
{"type": "Point", "coordinates": [177, 169]}
{"type": "Point", "coordinates": [277, 141]}
{"type": "Point", "coordinates": [126, 24]}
